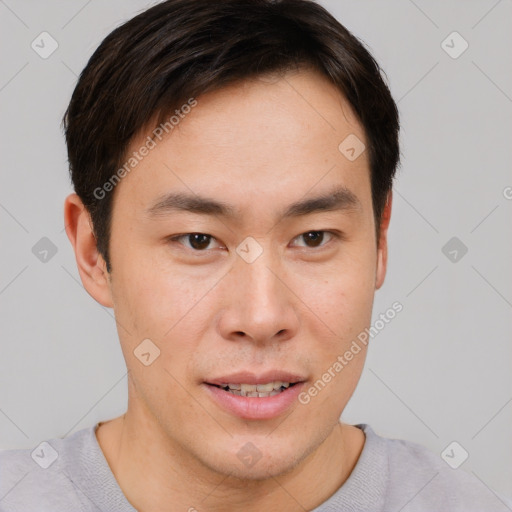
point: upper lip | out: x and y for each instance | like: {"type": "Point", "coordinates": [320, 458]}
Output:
{"type": "Point", "coordinates": [260, 378]}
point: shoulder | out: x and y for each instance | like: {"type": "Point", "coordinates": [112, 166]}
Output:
{"type": "Point", "coordinates": [419, 480]}
{"type": "Point", "coordinates": [38, 478]}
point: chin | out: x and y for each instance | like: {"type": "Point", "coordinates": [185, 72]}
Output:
{"type": "Point", "coordinates": [248, 463]}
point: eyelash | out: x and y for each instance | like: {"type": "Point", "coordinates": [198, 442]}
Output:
{"type": "Point", "coordinates": [333, 234]}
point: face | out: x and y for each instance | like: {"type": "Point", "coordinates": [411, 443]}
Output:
{"type": "Point", "coordinates": [261, 291]}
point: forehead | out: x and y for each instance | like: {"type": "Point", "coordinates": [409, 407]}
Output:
{"type": "Point", "coordinates": [258, 140]}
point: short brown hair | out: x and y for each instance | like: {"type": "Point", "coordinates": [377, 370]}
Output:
{"type": "Point", "coordinates": [180, 49]}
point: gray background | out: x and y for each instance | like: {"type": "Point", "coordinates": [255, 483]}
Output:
{"type": "Point", "coordinates": [439, 372]}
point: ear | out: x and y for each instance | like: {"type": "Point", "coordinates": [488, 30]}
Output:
{"type": "Point", "coordinates": [382, 248]}
{"type": "Point", "coordinates": [91, 266]}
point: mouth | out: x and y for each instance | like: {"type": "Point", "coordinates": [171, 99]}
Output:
{"type": "Point", "coordinates": [255, 398]}
{"type": "Point", "coordinates": [256, 390]}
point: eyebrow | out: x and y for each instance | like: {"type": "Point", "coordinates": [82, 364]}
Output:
{"type": "Point", "coordinates": [337, 199]}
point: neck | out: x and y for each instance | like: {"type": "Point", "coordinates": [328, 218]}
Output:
{"type": "Point", "coordinates": [155, 474]}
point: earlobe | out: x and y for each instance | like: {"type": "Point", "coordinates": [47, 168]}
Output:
{"type": "Point", "coordinates": [91, 266]}
{"type": "Point", "coordinates": [382, 249]}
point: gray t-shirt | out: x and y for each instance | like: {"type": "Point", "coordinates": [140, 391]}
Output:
{"type": "Point", "coordinates": [72, 475]}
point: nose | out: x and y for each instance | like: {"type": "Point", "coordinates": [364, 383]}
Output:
{"type": "Point", "coordinates": [261, 305]}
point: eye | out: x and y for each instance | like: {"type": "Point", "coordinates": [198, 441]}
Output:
{"type": "Point", "coordinates": [198, 242]}
{"type": "Point", "coordinates": [315, 238]}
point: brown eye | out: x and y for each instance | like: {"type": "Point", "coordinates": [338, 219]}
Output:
{"type": "Point", "coordinates": [314, 239]}
{"type": "Point", "coordinates": [198, 242]}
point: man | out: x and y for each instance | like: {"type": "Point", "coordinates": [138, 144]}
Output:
{"type": "Point", "coordinates": [233, 165]}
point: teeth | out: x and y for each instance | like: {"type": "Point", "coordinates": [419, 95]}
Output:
{"type": "Point", "coordinates": [257, 390]}
{"type": "Point", "coordinates": [265, 388]}
{"type": "Point", "coordinates": [260, 388]}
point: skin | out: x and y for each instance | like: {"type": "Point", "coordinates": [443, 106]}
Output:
{"type": "Point", "coordinates": [259, 145]}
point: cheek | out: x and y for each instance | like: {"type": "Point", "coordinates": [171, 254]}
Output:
{"type": "Point", "coordinates": [160, 306]}
{"type": "Point", "coordinates": [154, 299]}
{"type": "Point", "coordinates": [342, 296]}
{"type": "Point", "coordinates": [169, 307]}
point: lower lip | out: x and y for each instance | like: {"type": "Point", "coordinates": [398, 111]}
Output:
{"type": "Point", "coordinates": [255, 408]}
